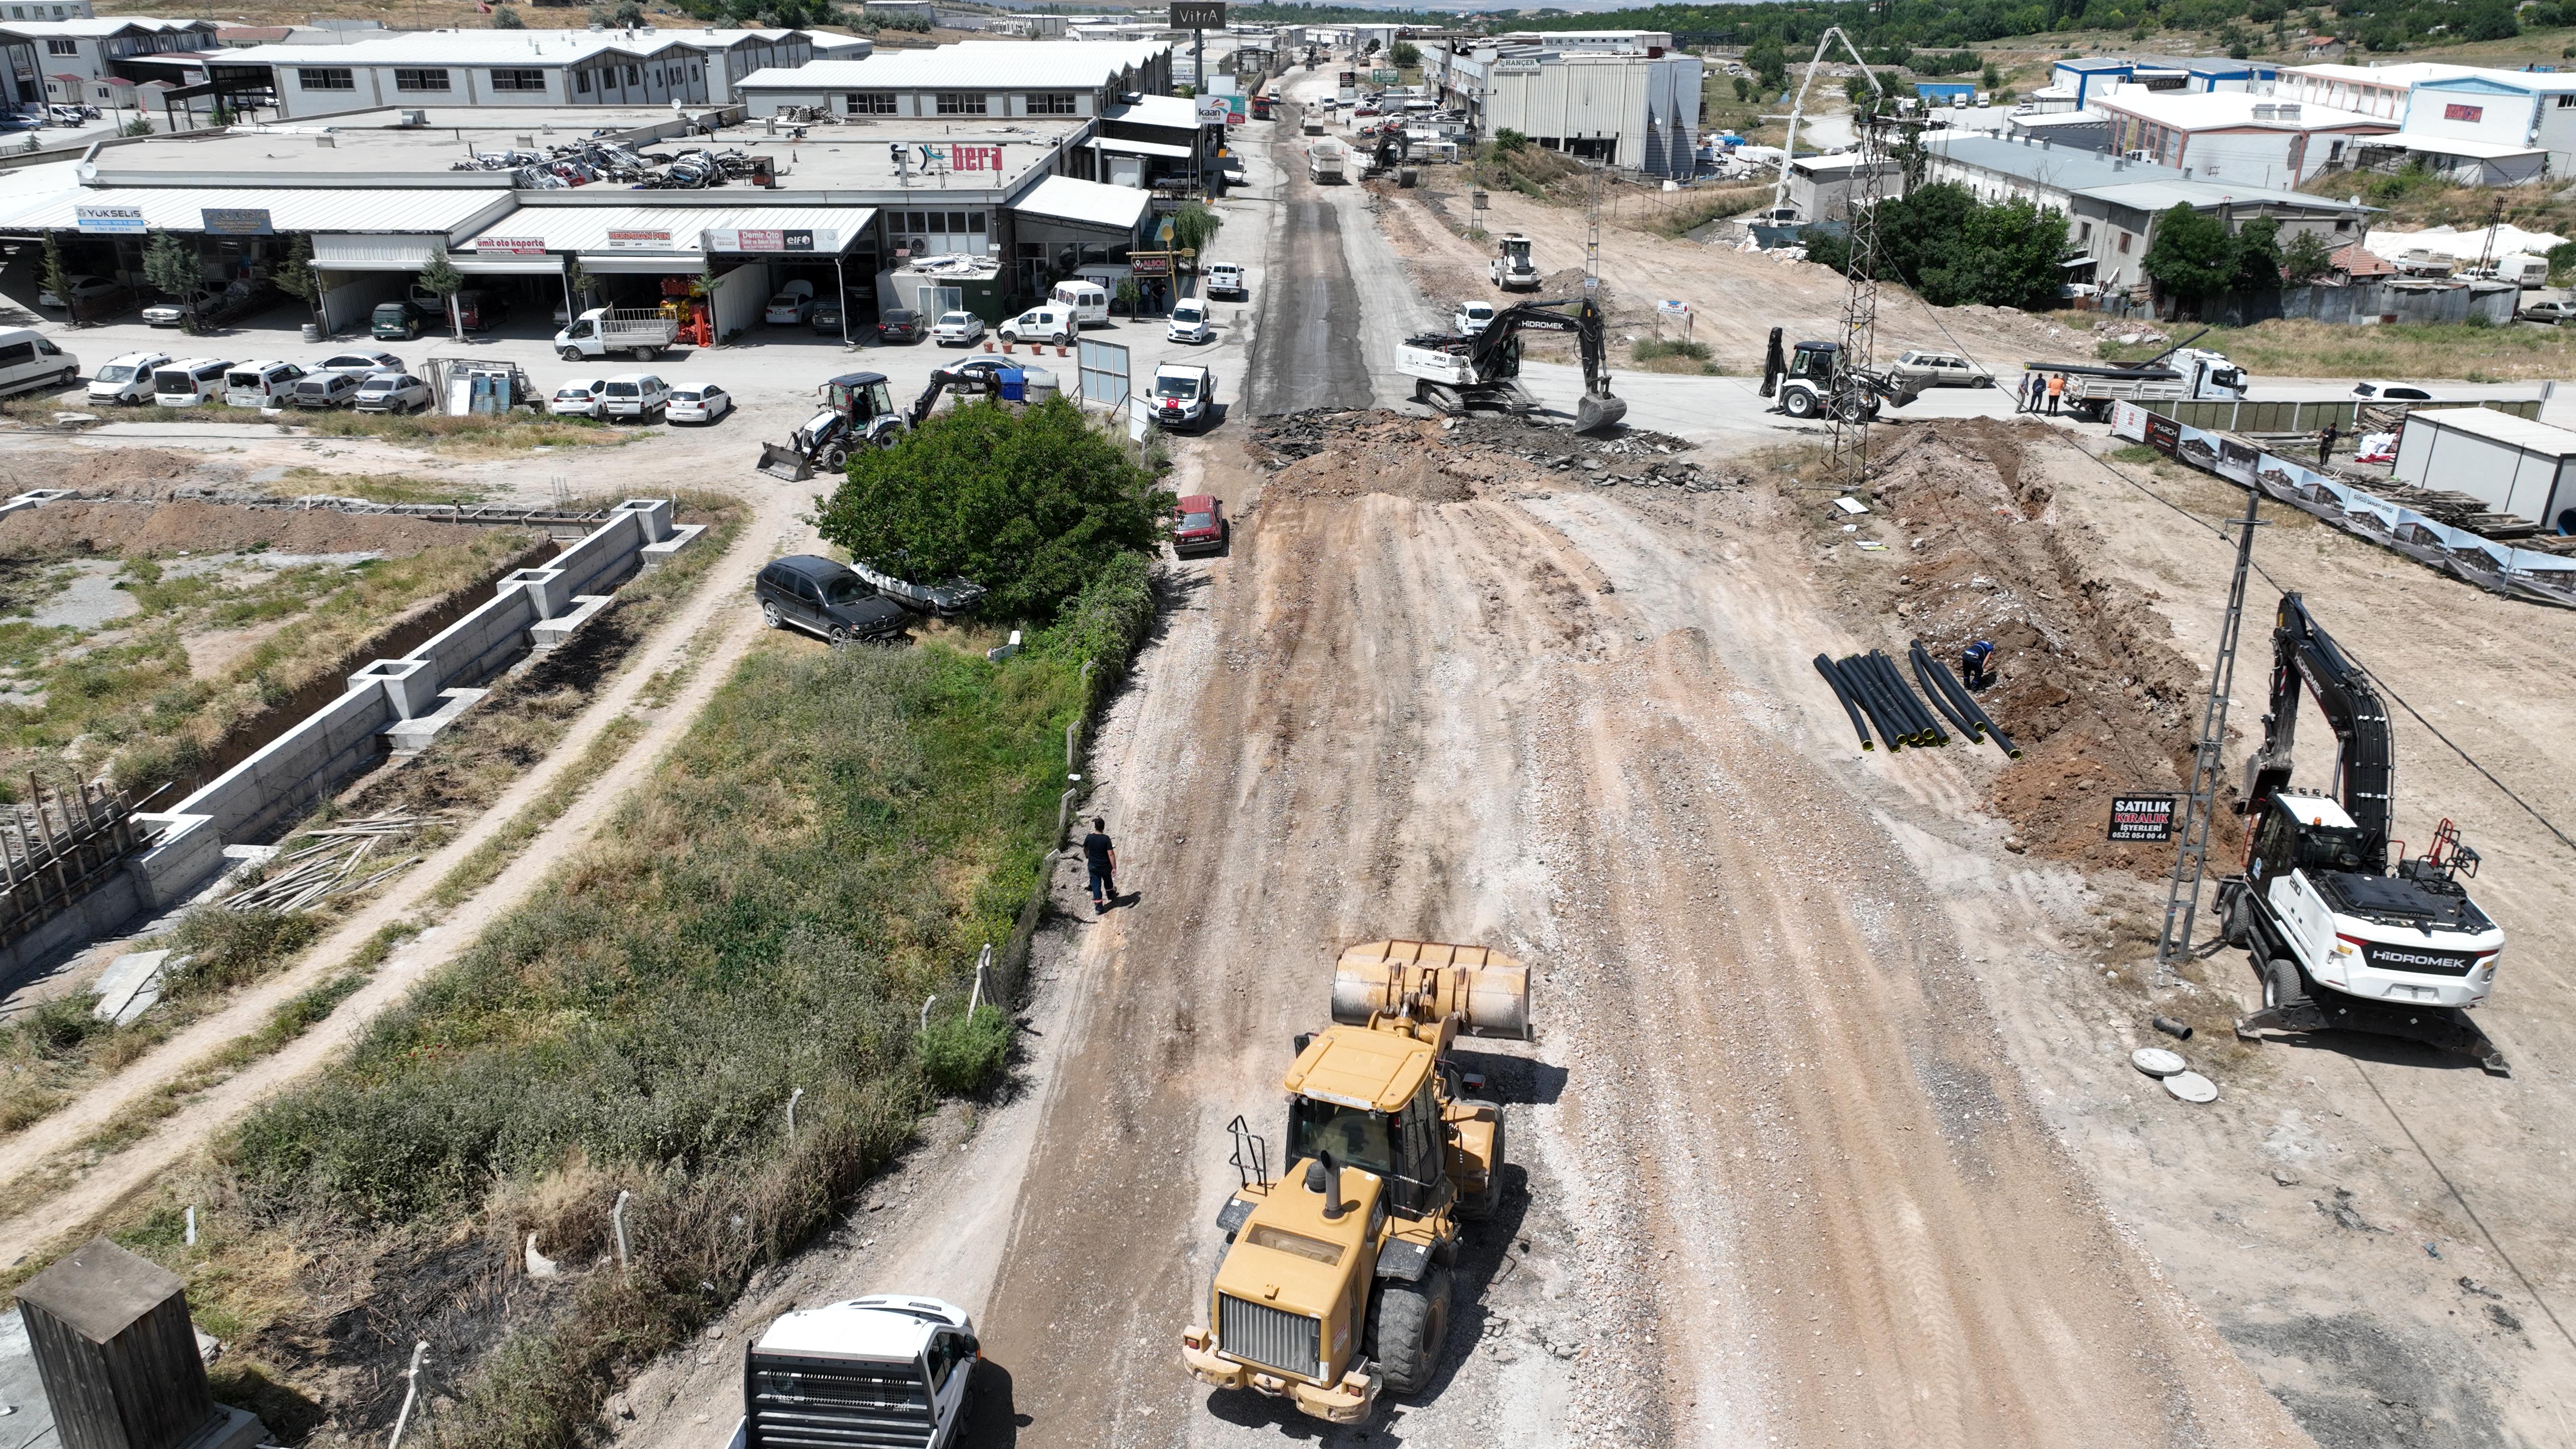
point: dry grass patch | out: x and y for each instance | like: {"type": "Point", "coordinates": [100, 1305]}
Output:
{"type": "Point", "coordinates": [2423, 351]}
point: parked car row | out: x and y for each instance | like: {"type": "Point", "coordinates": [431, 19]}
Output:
{"type": "Point", "coordinates": [639, 395]}
{"type": "Point", "coordinates": [367, 381]}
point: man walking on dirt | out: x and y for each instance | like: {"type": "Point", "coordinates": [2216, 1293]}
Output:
{"type": "Point", "coordinates": [1101, 854]}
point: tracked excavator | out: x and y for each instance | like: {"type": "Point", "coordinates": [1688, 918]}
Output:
{"type": "Point", "coordinates": [2342, 938]}
{"type": "Point", "coordinates": [1456, 371]}
{"type": "Point", "coordinates": [1334, 1286]}
{"type": "Point", "coordinates": [858, 411]}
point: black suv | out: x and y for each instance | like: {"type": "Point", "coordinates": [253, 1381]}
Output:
{"type": "Point", "coordinates": [822, 597]}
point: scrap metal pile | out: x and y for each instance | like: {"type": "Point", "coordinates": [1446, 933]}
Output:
{"type": "Point", "coordinates": [594, 160]}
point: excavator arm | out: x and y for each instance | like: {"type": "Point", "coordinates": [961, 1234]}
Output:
{"type": "Point", "coordinates": [1491, 352]}
{"type": "Point", "coordinates": [2303, 654]}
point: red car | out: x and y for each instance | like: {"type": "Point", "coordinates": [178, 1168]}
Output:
{"type": "Point", "coordinates": [1198, 525]}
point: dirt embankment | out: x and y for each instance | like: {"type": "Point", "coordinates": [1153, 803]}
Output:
{"type": "Point", "coordinates": [123, 472]}
{"type": "Point", "coordinates": [2090, 684]}
{"type": "Point", "coordinates": [118, 527]}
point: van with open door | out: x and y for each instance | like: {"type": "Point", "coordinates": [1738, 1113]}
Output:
{"type": "Point", "coordinates": [1087, 301]}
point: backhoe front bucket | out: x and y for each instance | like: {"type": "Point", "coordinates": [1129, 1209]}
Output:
{"type": "Point", "coordinates": [782, 460]}
{"type": "Point", "coordinates": [1594, 414]}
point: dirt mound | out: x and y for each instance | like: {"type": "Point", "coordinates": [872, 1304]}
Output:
{"type": "Point", "coordinates": [2091, 686]}
{"type": "Point", "coordinates": [1447, 460]}
{"type": "Point", "coordinates": [117, 472]}
{"type": "Point", "coordinates": [164, 528]}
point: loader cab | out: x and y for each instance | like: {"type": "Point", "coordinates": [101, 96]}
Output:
{"type": "Point", "coordinates": [862, 397]}
{"type": "Point", "coordinates": [1368, 1099]}
{"type": "Point", "coordinates": [1814, 361]}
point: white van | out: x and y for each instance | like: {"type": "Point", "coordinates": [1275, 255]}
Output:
{"type": "Point", "coordinates": [127, 379]}
{"type": "Point", "coordinates": [189, 381]}
{"type": "Point", "coordinates": [1050, 323]}
{"type": "Point", "coordinates": [260, 384]}
{"type": "Point", "coordinates": [28, 361]}
{"type": "Point", "coordinates": [1087, 301]}
{"type": "Point", "coordinates": [1190, 322]}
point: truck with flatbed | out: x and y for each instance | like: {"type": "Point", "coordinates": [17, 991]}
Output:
{"type": "Point", "coordinates": [2180, 373]}
{"type": "Point", "coordinates": [643, 331]}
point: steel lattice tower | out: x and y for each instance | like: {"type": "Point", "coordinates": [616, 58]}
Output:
{"type": "Point", "coordinates": [1847, 430]}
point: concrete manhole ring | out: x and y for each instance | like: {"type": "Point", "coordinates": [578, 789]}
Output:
{"type": "Point", "coordinates": [2156, 1061]}
{"type": "Point", "coordinates": [2192, 1087]}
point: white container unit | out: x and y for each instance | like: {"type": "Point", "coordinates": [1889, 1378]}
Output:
{"type": "Point", "coordinates": [2510, 464]}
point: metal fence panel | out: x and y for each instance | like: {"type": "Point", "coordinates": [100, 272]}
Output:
{"type": "Point", "coordinates": [1104, 373]}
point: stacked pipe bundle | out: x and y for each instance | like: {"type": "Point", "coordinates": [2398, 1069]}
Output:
{"type": "Point", "coordinates": [1958, 704]}
{"type": "Point", "coordinates": [1868, 684]}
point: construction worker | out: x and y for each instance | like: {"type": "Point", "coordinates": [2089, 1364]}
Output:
{"type": "Point", "coordinates": [1976, 665]}
{"type": "Point", "coordinates": [1101, 855]}
{"type": "Point", "coordinates": [2033, 385]}
{"type": "Point", "coordinates": [2056, 389]}
{"type": "Point", "coordinates": [2325, 445]}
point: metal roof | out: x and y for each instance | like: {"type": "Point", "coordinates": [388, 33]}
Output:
{"type": "Point", "coordinates": [2454, 146]}
{"type": "Point", "coordinates": [532, 48]}
{"type": "Point", "coordinates": [2230, 110]}
{"type": "Point", "coordinates": [102, 26]}
{"type": "Point", "coordinates": [985, 65]}
{"type": "Point", "coordinates": [181, 208]}
{"type": "Point", "coordinates": [1065, 198]}
{"type": "Point", "coordinates": [2073, 169]}
{"type": "Point", "coordinates": [583, 229]}
{"type": "Point", "coordinates": [1177, 113]}
{"type": "Point", "coordinates": [2536, 437]}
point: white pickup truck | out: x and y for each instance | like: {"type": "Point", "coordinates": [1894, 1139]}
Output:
{"type": "Point", "coordinates": [603, 330]}
{"type": "Point", "coordinates": [884, 1369]}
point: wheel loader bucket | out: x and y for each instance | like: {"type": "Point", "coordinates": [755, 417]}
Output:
{"type": "Point", "coordinates": [1488, 993]}
{"type": "Point", "coordinates": [1594, 414]}
{"type": "Point", "coordinates": [781, 460]}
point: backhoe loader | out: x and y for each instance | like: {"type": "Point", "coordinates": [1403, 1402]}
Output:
{"type": "Point", "coordinates": [1335, 1283]}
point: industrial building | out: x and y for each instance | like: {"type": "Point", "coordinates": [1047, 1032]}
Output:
{"type": "Point", "coordinates": [2112, 206]}
{"type": "Point", "coordinates": [2085, 79]}
{"type": "Point", "coordinates": [2508, 110]}
{"type": "Point", "coordinates": [82, 61]}
{"type": "Point", "coordinates": [958, 214]}
{"type": "Point", "coordinates": [989, 79]}
{"type": "Point", "coordinates": [449, 68]}
{"type": "Point", "coordinates": [1635, 108]}
{"type": "Point", "coordinates": [2510, 464]}
{"type": "Point", "coordinates": [1821, 188]}
{"type": "Point", "coordinates": [2233, 136]}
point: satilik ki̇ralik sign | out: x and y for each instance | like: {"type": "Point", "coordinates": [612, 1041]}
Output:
{"type": "Point", "coordinates": [2141, 819]}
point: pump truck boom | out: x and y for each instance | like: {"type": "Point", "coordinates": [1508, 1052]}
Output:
{"type": "Point", "coordinates": [2341, 939]}
{"type": "Point", "coordinates": [1334, 1287]}
{"type": "Point", "coordinates": [1455, 371]}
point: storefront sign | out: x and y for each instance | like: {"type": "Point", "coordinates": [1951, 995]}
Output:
{"type": "Point", "coordinates": [2141, 819]}
{"type": "Point", "coordinates": [2163, 434]}
{"type": "Point", "coordinates": [2463, 113]}
{"type": "Point", "coordinates": [759, 239]}
{"type": "Point", "coordinates": [974, 158]}
{"type": "Point", "coordinates": [1211, 110]}
{"type": "Point", "coordinates": [108, 218]}
{"type": "Point", "coordinates": [232, 221]}
{"type": "Point", "coordinates": [640, 241]}
{"type": "Point", "coordinates": [510, 246]}
{"type": "Point", "coordinates": [1385, 77]}
{"type": "Point", "coordinates": [1198, 15]}
{"type": "Point", "coordinates": [1150, 264]}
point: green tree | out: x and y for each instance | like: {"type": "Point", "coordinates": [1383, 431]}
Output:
{"type": "Point", "coordinates": [1031, 504]}
{"type": "Point", "coordinates": [1193, 227]}
{"type": "Point", "coordinates": [1768, 63]}
{"type": "Point", "coordinates": [139, 126]}
{"type": "Point", "coordinates": [1743, 92]}
{"type": "Point", "coordinates": [2258, 255]}
{"type": "Point", "coordinates": [506, 17]}
{"type": "Point", "coordinates": [441, 276]}
{"type": "Point", "coordinates": [2193, 256]}
{"type": "Point", "coordinates": [295, 275]}
{"type": "Point", "coordinates": [2490, 22]}
{"type": "Point", "coordinates": [1508, 140]}
{"type": "Point", "coordinates": [1991, 78]}
{"type": "Point", "coordinates": [1406, 55]}
{"type": "Point", "coordinates": [2006, 255]}
{"type": "Point", "coordinates": [171, 266]}
{"type": "Point", "coordinates": [57, 278]}
{"type": "Point", "coordinates": [2307, 257]}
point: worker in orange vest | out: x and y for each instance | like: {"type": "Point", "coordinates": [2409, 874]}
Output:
{"type": "Point", "coordinates": [2056, 389]}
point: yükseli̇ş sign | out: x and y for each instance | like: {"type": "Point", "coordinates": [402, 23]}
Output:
{"type": "Point", "coordinates": [108, 218]}
{"type": "Point", "coordinates": [2142, 819]}
{"type": "Point", "coordinates": [1198, 15]}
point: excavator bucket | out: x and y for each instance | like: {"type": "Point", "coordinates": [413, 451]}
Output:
{"type": "Point", "coordinates": [1593, 414]}
{"type": "Point", "coordinates": [782, 460]}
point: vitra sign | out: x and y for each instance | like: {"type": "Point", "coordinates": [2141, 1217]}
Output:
{"type": "Point", "coordinates": [1198, 15]}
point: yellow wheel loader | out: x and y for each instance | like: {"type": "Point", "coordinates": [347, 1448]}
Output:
{"type": "Point", "coordinates": [1335, 1283]}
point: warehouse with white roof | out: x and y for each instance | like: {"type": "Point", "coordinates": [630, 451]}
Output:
{"type": "Point", "coordinates": [643, 66]}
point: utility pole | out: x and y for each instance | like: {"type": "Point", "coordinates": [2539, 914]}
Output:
{"type": "Point", "coordinates": [2191, 850]}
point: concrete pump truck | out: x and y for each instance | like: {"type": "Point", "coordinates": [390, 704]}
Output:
{"type": "Point", "coordinates": [1334, 1287]}
{"type": "Point", "coordinates": [2341, 938]}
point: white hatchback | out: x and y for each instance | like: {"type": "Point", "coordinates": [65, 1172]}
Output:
{"type": "Point", "coordinates": [957, 329]}
{"type": "Point", "coordinates": [699, 403]}
{"type": "Point", "coordinates": [577, 399]}
{"type": "Point", "coordinates": [127, 379]}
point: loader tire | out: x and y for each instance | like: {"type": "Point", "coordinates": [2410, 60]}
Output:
{"type": "Point", "coordinates": [1484, 1204]}
{"type": "Point", "coordinates": [2236, 928]}
{"type": "Point", "coordinates": [1798, 403]}
{"type": "Point", "coordinates": [2281, 986]}
{"type": "Point", "coordinates": [1407, 1322]}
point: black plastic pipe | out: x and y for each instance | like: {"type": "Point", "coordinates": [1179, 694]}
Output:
{"type": "Point", "coordinates": [2002, 741]}
{"type": "Point", "coordinates": [1947, 686]}
{"type": "Point", "coordinates": [1940, 701]}
{"type": "Point", "coordinates": [1924, 725]}
{"type": "Point", "coordinates": [1825, 667]}
{"type": "Point", "coordinates": [1890, 728]}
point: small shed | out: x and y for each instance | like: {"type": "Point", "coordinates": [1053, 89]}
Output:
{"type": "Point", "coordinates": [2512, 465]}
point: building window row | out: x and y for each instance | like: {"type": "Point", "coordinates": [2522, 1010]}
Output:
{"type": "Point", "coordinates": [327, 78]}
{"type": "Point", "coordinates": [62, 47]}
{"type": "Point", "coordinates": [519, 80]}
{"type": "Point", "coordinates": [961, 103]}
{"type": "Point", "coordinates": [874, 103]}
{"type": "Point", "coordinates": [406, 79]}
{"type": "Point", "coordinates": [1051, 103]}
{"type": "Point", "coordinates": [937, 223]}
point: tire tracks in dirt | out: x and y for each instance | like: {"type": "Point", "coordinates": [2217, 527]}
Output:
{"type": "Point", "coordinates": [706, 636]}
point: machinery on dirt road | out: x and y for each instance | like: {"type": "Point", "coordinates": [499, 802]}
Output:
{"type": "Point", "coordinates": [1335, 1283]}
{"type": "Point", "coordinates": [885, 1369]}
{"type": "Point", "coordinates": [1455, 371]}
{"type": "Point", "coordinates": [2340, 938]}
{"type": "Point", "coordinates": [1513, 271]}
{"type": "Point", "coordinates": [858, 411]}
{"type": "Point", "coordinates": [1814, 378]}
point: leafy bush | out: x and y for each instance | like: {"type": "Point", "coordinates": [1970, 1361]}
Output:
{"type": "Point", "coordinates": [1955, 249]}
{"type": "Point", "coordinates": [960, 1054]}
{"type": "Point", "coordinates": [1652, 348]}
{"type": "Point", "coordinates": [58, 1027]}
{"type": "Point", "coordinates": [1030, 504]}
{"type": "Point", "coordinates": [1107, 621]}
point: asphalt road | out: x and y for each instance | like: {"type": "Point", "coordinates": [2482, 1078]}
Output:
{"type": "Point", "coordinates": [1307, 354]}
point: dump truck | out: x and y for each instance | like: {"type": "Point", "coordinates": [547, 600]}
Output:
{"type": "Point", "coordinates": [603, 330]}
{"type": "Point", "coordinates": [1327, 160]}
{"type": "Point", "coordinates": [1334, 1287]}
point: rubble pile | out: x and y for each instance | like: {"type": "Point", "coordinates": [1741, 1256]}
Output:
{"type": "Point", "coordinates": [1339, 450]}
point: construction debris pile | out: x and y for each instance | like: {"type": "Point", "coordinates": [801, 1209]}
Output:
{"type": "Point", "coordinates": [1332, 451]}
{"type": "Point", "coordinates": [2089, 683]}
{"type": "Point", "coordinates": [330, 867]}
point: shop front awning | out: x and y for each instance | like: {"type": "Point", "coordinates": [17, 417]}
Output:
{"type": "Point", "coordinates": [375, 253]}
{"type": "Point", "coordinates": [670, 239]}
{"type": "Point", "coordinates": [1125, 147]}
